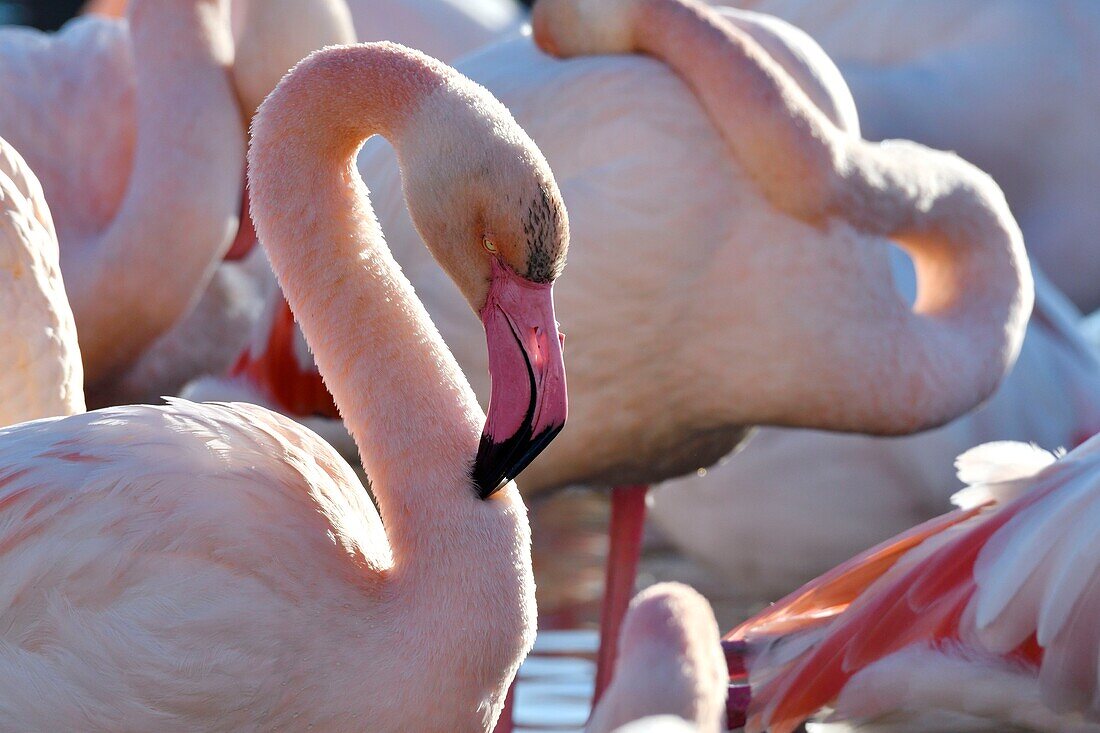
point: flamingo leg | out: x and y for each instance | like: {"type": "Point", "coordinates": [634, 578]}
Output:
{"type": "Point", "coordinates": [625, 532]}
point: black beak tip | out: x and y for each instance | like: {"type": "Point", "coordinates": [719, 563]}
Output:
{"type": "Point", "coordinates": [497, 463]}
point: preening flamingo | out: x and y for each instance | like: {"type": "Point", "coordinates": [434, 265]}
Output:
{"type": "Point", "coordinates": [978, 77]}
{"type": "Point", "coordinates": [133, 130]}
{"type": "Point", "coordinates": [671, 668]}
{"type": "Point", "coordinates": [983, 619]}
{"type": "Point", "coordinates": [685, 328]}
{"type": "Point", "coordinates": [42, 375]}
{"type": "Point", "coordinates": [217, 567]}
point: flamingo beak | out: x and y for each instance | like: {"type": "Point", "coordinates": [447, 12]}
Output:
{"type": "Point", "coordinates": [527, 403]}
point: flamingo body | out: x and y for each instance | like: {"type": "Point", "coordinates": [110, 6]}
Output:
{"type": "Point", "coordinates": [445, 29]}
{"type": "Point", "coordinates": [793, 503]}
{"type": "Point", "coordinates": [670, 672]}
{"type": "Point", "coordinates": [144, 590]}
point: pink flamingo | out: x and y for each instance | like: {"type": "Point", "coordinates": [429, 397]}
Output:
{"type": "Point", "coordinates": [671, 670]}
{"type": "Point", "coordinates": [217, 567]}
{"type": "Point", "coordinates": [765, 523]}
{"type": "Point", "coordinates": [983, 619]}
{"type": "Point", "coordinates": [135, 134]}
{"type": "Point", "coordinates": [270, 37]}
{"type": "Point", "coordinates": [42, 375]}
{"type": "Point", "coordinates": [898, 371]}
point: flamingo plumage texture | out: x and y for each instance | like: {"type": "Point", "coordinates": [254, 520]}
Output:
{"type": "Point", "coordinates": [981, 620]}
{"type": "Point", "coordinates": [218, 567]}
{"type": "Point", "coordinates": [671, 671]}
{"type": "Point", "coordinates": [42, 374]}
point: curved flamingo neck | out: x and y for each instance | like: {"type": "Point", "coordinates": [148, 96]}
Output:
{"type": "Point", "coordinates": [180, 207]}
{"type": "Point", "coordinates": [403, 397]}
{"type": "Point", "coordinates": [974, 296]}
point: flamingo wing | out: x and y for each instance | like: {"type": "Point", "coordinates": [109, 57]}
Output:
{"type": "Point", "coordinates": [134, 540]}
{"type": "Point", "coordinates": [917, 589]}
{"type": "Point", "coordinates": [279, 364]}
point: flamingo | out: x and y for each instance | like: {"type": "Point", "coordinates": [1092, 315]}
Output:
{"type": "Point", "coordinates": [42, 375]}
{"type": "Point", "coordinates": [671, 671]}
{"type": "Point", "coordinates": [854, 491]}
{"type": "Point", "coordinates": [806, 331]}
{"type": "Point", "coordinates": [445, 29]}
{"type": "Point", "coordinates": [978, 77]}
{"type": "Point", "coordinates": [983, 619]}
{"type": "Point", "coordinates": [217, 567]}
{"type": "Point", "coordinates": [134, 132]}
{"type": "Point", "coordinates": [270, 38]}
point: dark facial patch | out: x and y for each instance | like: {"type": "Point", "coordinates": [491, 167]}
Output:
{"type": "Point", "coordinates": [542, 227]}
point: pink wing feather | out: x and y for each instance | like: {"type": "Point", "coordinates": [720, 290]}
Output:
{"type": "Point", "coordinates": [1019, 579]}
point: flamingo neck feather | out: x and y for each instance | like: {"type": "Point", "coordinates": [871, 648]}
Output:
{"type": "Point", "coordinates": [403, 397]}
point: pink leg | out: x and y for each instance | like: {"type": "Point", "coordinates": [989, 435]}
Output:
{"type": "Point", "coordinates": [504, 723]}
{"type": "Point", "coordinates": [625, 532]}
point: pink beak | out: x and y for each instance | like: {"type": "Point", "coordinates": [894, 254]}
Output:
{"type": "Point", "coordinates": [527, 404]}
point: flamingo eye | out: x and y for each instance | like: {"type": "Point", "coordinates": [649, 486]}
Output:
{"type": "Point", "coordinates": [488, 245]}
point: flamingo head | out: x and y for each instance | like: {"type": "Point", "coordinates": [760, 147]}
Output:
{"type": "Point", "coordinates": [494, 219]}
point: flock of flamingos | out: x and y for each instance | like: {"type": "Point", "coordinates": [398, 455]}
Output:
{"type": "Point", "coordinates": [686, 188]}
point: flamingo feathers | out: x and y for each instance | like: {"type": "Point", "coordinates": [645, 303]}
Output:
{"type": "Point", "coordinates": [1010, 580]}
{"type": "Point", "coordinates": [281, 368]}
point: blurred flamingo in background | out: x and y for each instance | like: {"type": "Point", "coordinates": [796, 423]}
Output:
{"type": "Point", "coordinates": [765, 523]}
{"type": "Point", "coordinates": [270, 37]}
{"type": "Point", "coordinates": [42, 375]}
{"type": "Point", "coordinates": [140, 537]}
{"type": "Point", "coordinates": [671, 670]}
{"type": "Point", "coordinates": [983, 619]}
{"type": "Point", "coordinates": [140, 155]}
{"type": "Point", "coordinates": [979, 77]}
